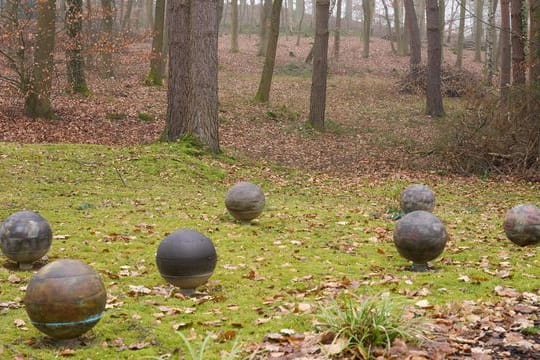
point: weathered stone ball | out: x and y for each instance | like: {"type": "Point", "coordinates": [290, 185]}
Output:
{"type": "Point", "coordinates": [186, 258]}
{"type": "Point", "coordinates": [25, 237]}
{"type": "Point", "coordinates": [65, 299]}
{"type": "Point", "coordinates": [245, 201]}
{"type": "Point", "coordinates": [417, 197]}
{"type": "Point", "coordinates": [420, 236]}
{"type": "Point", "coordinates": [522, 224]}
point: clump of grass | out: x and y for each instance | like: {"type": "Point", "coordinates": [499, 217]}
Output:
{"type": "Point", "coordinates": [194, 352]}
{"type": "Point", "coordinates": [145, 116]}
{"type": "Point", "coordinates": [367, 324]}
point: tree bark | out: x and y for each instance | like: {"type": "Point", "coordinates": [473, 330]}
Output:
{"type": "Point", "coordinates": [518, 52]}
{"type": "Point", "coordinates": [534, 44]}
{"type": "Point", "coordinates": [421, 15]}
{"type": "Point", "coordinates": [299, 31]}
{"type": "Point", "coordinates": [155, 76]}
{"type": "Point", "coordinates": [490, 41]}
{"type": "Point", "coordinates": [442, 23]}
{"type": "Point", "coordinates": [479, 11]}
{"type": "Point", "coordinates": [389, 25]}
{"type": "Point", "coordinates": [397, 27]}
{"type": "Point", "coordinates": [38, 96]}
{"type": "Point", "coordinates": [107, 33]}
{"type": "Point", "coordinates": [126, 21]}
{"type": "Point", "coordinates": [75, 59]}
{"type": "Point", "coordinates": [505, 49]}
{"type": "Point", "coordinates": [337, 34]}
{"type": "Point", "coordinates": [149, 21]}
{"type": "Point", "coordinates": [317, 98]}
{"type": "Point", "coordinates": [366, 27]}
{"type": "Point", "coordinates": [266, 21]}
{"type": "Point", "coordinates": [263, 92]}
{"type": "Point", "coordinates": [434, 104]}
{"type": "Point", "coordinates": [348, 14]}
{"type": "Point", "coordinates": [414, 38]}
{"type": "Point", "coordinates": [234, 26]}
{"type": "Point", "coordinates": [461, 34]}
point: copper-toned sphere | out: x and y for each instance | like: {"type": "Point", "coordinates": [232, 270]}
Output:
{"type": "Point", "coordinates": [417, 197]}
{"type": "Point", "coordinates": [65, 299]}
{"type": "Point", "coordinates": [420, 236]}
{"type": "Point", "coordinates": [522, 224]}
{"type": "Point", "coordinates": [245, 201]}
{"type": "Point", "coordinates": [25, 237]}
{"type": "Point", "coordinates": [186, 258]}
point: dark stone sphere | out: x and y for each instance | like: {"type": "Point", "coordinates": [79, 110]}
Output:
{"type": "Point", "coordinates": [245, 201]}
{"type": "Point", "coordinates": [25, 237]}
{"type": "Point", "coordinates": [65, 299]}
{"type": "Point", "coordinates": [522, 224]}
{"type": "Point", "coordinates": [186, 258]}
{"type": "Point", "coordinates": [420, 236]}
{"type": "Point", "coordinates": [417, 197]}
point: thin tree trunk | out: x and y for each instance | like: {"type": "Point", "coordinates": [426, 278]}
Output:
{"type": "Point", "coordinates": [348, 14]}
{"type": "Point", "coordinates": [317, 100]}
{"type": "Point", "coordinates": [414, 37]}
{"type": "Point", "coordinates": [126, 21]}
{"type": "Point", "coordinates": [107, 33]}
{"type": "Point", "coordinates": [505, 49]}
{"type": "Point", "coordinates": [434, 104]}
{"type": "Point", "coordinates": [38, 96]}
{"type": "Point", "coordinates": [534, 44]}
{"type": "Point", "coordinates": [155, 76]}
{"type": "Point", "coordinates": [397, 27]}
{"type": "Point", "coordinates": [75, 59]}
{"type": "Point", "coordinates": [366, 28]}
{"type": "Point", "coordinates": [453, 12]}
{"type": "Point", "coordinates": [479, 11]}
{"type": "Point", "coordinates": [389, 24]}
{"type": "Point", "coordinates": [149, 21]}
{"type": "Point", "coordinates": [421, 15]}
{"type": "Point", "coordinates": [263, 92]}
{"type": "Point", "coordinates": [518, 52]}
{"type": "Point", "coordinates": [299, 31]}
{"type": "Point", "coordinates": [266, 10]}
{"type": "Point", "coordinates": [234, 23]}
{"type": "Point", "coordinates": [461, 34]}
{"type": "Point", "coordinates": [337, 33]}
{"type": "Point", "coordinates": [490, 40]}
{"type": "Point", "coordinates": [442, 23]}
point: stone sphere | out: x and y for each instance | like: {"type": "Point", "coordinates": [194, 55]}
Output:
{"type": "Point", "coordinates": [245, 201]}
{"type": "Point", "coordinates": [417, 197]}
{"type": "Point", "coordinates": [25, 237]}
{"type": "Point", "coordinates": [186, 258]}
{"type": "Point", "coordinates": [420, 236]}
{"type": "Point", "coordinates": [65, 299]}
{"type": "Point", "coordinates": [522, 224]}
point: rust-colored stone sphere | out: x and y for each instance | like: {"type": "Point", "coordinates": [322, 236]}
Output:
{"type": "Point", "coordinates": [420, 236]}
{"type": "Point", "coordinates": [417, 197]}
{"type": "Point", "coordinates": [186, 258]}
{"type": "Point", "coordinates": [245, 201]}
{"type": "Point", "coordinates": [65, 299]}
{"type": "Point", "coordinates": [522, 224]}
{"type": "Point", "coordinates": [25, 237]}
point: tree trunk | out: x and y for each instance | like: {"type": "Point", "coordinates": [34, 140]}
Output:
{"type": "Point", "coordinates": [317, 98]}
{"type": "Point", "coordinates": [263, 93]}
{"type": "Point", "coordinates": [490, 40]}
{"type": "Point", "coordinates": [442, 23]}
{"type": "Point", "coordinates": [478, 18]}
{"type": "Point", "coordinates": [421, 15]}
{"type": "Point", "coordinates": [337, 34]}
{"type": "Point", "coordinates": [38, 96]}
{"type": "Point", "coordinates": [348, 14]}
{"type": "Point", "coordinates": [434, 104]}
{"type": "Point", "coordinates": [155, 76]}
{"type": "Point", "coordinates": [389, 24]}
{"type": "Point", "coordinates": [397, 27]}
{"type": "Point", "coordinates": [148, 12]}
{"type": "Point", "coordinates": [461, 34]}
{"type": "Point", "coordinates": [265, 26]}
{"type": "Point", "coordinates": [234, 25]}
{"type": "Point", "coordinates": [534, 44]}
{"type": "Point", "coordinates": [451, 22]}
{"type": "Point", "coordinates": [414, 38]}
{"type": "Point", "coordinates": [366, 27]}
{"type": "Point", "coordinates": [75, 60]}
{"type": "Point", "coordinates": [518, 52]}
{"type": "Point", "coordinates": [192, 98]}
{"type": "Point", "coordinates": [126, 21]}
{"type": "Point", "coordinates": [107, 46]}
{"type": "Point", "coordinates": [299, 33]}
{"type": "Point", "coordinates": [505, 49]}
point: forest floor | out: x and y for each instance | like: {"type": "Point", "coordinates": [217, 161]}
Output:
{"type": "Point", "coordinates": [377, 140]}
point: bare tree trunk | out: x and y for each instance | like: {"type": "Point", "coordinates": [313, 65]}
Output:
{"type": "Point", "coordinates": [366, 27]}
{"type": "Point", "coordinates": [234, 23]}
{"type": "Point", "coordinates": [126, 21]}
{"type": "Point", "coordinates": [414, 37]}
{"type": "Point", "coordinates": [505, 50]}
{"type": "Point", "coordinates": [397, 27]}
{"type": "Point", "coordinates": [317, 100]}
{"type": "Point", "coordinates": [421, 15]}
{"type": "Point", "coordinates": [75, 59]}
{"type": "Point", "coordinates": [478, 18]}
{"type": "Point", "coordinates": [534, 44]}
{"type": "Point", "coordinates": [389, 25]}
{"type": "Point", "coordinates": [265, 26]}
{"type": "Point", "coordinates": [337, 34]}
{"type": "Point", "coordinates": [518, 52]}
{"type": "Point", "coordinates": [453, 13]}
{"type": "Point", "coordinates": [442, 23]}
{"type": "Point", "coordinates": [348, 14]}
{"type": "Point", "coordinates": [434, 104]}
{"type": "Point", "coordinates": [299, 32]}
{"type": "Point", "coordinates": [263, 93]}
{"type": "Point", "coordinates": [38, 97]}
{"type": "Point", "coordinates": [461, 34]}
{"type": "Point", "coordinates": [490, 40]}
{"type": "Point", "coordinates": [149, 21]}
{"type": "Point", "coordinates": [155, 76]}
{"type": "Point", "coordinates": [107, 46]}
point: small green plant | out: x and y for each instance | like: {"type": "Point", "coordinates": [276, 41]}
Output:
{"type": "Point", "coordinates": [116, 116]}
{"type": "Point", "coordinates": [198, 354]}
{"type": "Point", "coordinates": [532, 330]}
{"type": "Point", "coordinates": [366, 324]}
{"type": "Point", "coordinates": [145, 116]}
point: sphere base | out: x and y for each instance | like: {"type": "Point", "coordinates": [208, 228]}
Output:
{"type": "Point", "coordinates": [26, 266]}
{"type": "Point", "coordinates": [419, 267]}
{"type": "Point", "coordinates": [187, 292]}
